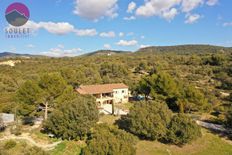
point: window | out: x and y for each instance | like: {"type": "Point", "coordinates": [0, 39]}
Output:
{"type": "Point", "coordinates": [123, 91]}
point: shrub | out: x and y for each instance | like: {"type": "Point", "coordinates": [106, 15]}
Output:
{"type": "Point", "coordinates": [182, 130]}
{"type": "Point", "coordinates": [10, 144]}
{"type": "Point", "coordinates": [73, 119]}
{"type": "Point", "coordinates": [148, 120]}
{"type": "Point", "coordinates": [109, 140]}
{"type": "Point", "coordinates": [28, 120]}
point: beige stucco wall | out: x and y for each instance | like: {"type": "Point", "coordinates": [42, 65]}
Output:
{"type": "Point", "coordinates": [121, 95]}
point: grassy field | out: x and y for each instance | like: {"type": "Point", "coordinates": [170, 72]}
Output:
{"type": "Point", "coordinates": [67, 148]}
{"type": "Point", "coordinates": [64, 148]}
{"type": "Point", "coordinates": [42, 138]}
{"type": "Point", "coordinates": [208, 144]}
{"type": "Point", "coordinates": [108, 119]}
{"type": "Point", "coordinates": [20, 148]}
{"type": "Point", "coordinates": [125, 106]}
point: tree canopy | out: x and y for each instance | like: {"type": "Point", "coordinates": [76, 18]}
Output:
{"type": "Point", "coordinates": [179, 97]}
{"type": "Point", "coordinates": [182, 130]}
{"type": "Point", "coordinates": [106, 140]}
{"type": "Point", "coordinates": [72, 119]}
{"type": "Point", "coordinates": [148, 120]}
{"type": "Point", "coordinates": [43, 91]}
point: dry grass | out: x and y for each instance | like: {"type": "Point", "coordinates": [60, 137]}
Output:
{"type": "Point", "coordinates": [108, 119]}
{"type": "Point", "coordinates": [208, 144]}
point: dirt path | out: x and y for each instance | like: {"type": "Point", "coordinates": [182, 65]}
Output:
{"type": "Point", "coordinates": [31, 141]}
{"type": "Point", "coordinates": [215, 127]}
{"type": "Point", "coordinates": [212, 126]}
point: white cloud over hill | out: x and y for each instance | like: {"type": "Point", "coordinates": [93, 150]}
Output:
{"type": "Point", "coordinates": [127, 43]}
{"type": "Point", "coordinates": [59, 28]}
{"type": "Point", "coordinates": [95, 9]}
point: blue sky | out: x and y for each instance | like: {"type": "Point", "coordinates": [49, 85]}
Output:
{"type": "Point", "coordinates": [73, 27]}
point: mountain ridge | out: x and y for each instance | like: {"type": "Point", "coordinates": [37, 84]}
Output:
{"type": "Point", "coordinates": [181, 49]}
{"type": "Point", "coordinates": [184, 49]}
{"type": "Point", "coordinates": [106, 52]}
{"type": "Point", "coordinates": [11, 55]}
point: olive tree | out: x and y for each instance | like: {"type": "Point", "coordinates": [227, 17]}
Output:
{"type": "Point", "coordinates": [106, 140]}
{"type": "Point", "coordinates": [147, 120]}
{"type": "Point", "coordinates": [182, 130]}
{"type": "Point", "coordinates": [72, 119]}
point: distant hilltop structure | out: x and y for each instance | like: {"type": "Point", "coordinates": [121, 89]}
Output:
{"type": "Point", "coordinates": [10, 63]}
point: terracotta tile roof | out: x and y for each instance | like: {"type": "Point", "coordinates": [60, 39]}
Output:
{"type": "Point", "coordinates": [97, 89]}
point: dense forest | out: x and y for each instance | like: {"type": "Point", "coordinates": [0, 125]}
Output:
{"type": "Point", "coordinates": [174, 80]}
{"type": "Point", "coordinates": [206, 69]}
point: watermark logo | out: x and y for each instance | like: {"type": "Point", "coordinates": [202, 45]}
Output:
{"type": "Point", "coordinates": [17, 15]}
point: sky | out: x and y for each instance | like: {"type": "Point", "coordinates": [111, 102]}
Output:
{"type": "Point", "coordinates": [75, 27]}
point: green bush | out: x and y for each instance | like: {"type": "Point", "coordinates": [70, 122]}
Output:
{"type": "Point", "coordinates": [105, 140]}
{"type": "Point", "coordinates": [10, 144]}
{"type": "Point", "coordinates": [73, 119]}
{"type": "Point", "coordinates": [182, 130]}
{"type": "Point", "coordinates": [147, 120]}
{"type": "Point", "coordinates": [28, 120]}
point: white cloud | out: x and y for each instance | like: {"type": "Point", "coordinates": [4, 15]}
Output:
{"type": "Point", "coordinates": [144, 46]}
{"type": "Point", "coordinates": [226, 24]}
{"type": "Point", "coordinates": [169, 15]}
{"type": "Point", "coordinates": [59, 28]}
{"type": "Point", "coordinates": [95, 9]}
{"type": "Point", "coordinates": [129, 18]}
{"type": "Point", "coordinates": [212, 2]}
{"type": "Point", "coordinates": [30, 46]}
{"type": "Point", "coordinates": [164, 8]}
{"type": "Point", "coordinates": [60, 52]}
{"type": "Point", "coordinates": [189, 5]}
{"type": "Point", "coordinates": [169, 9]}
{"type": "Point", "coordinates": [121, 34]}
{"type": "Point", "coordinates": [31, 25]}
{"type": "Point", "coordinates": [131, 7]}
{"type": "Point", "coordinates": [109, 34]}
{"type": "Point", "coordinates": [56, 28]}
{"type": "Point", "coordinates": [190, 19]}
{"type": "Point", "coordinates": [85, 32]}
{"type": "Point", "coordinates": [127, 43]}
{"type": "Point", "coordinates": [107, 46]}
